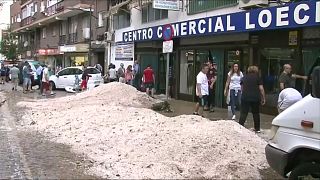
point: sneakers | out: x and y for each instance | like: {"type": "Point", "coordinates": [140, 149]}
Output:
{"type": "Point", "coordinates": [234, 117]}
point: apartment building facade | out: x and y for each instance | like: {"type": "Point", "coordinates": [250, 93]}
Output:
{"type": "Point", "coordinates": [137, 22]}
{"type": "Point", "coordinates": [57, 32]}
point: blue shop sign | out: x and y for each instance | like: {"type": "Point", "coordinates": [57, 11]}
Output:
{"type": "Point", "coordinates": [292, 15]}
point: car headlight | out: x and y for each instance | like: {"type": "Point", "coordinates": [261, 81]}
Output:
{"type": "Point", "coordinates": [272, 132]}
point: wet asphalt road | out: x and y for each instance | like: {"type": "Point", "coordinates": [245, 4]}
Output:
{"type": "Point", "coordinates": [26, 155]}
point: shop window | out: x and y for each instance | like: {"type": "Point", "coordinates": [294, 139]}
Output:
{"type": "Point", "coordinates": [197, 6]}
{"type": "Point", "coordinates": [150, 14]}
{"type": "Point", "coordinates": [121, 20]}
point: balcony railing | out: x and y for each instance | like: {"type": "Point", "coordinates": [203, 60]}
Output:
{"type": "Point", "coordinates": [27, 21]}
{"type": "Point", "coordinates": [73, 38]}
{"type": "Point", "coordinates": [62, 39]}
{"type": "Point", "coordinates": [54, 9]}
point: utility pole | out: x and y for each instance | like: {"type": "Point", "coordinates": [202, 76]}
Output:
{"type": "Point", "coordinates": [90, 29]}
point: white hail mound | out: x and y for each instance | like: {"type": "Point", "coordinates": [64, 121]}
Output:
{"type": "Point", "coordinates": [124, 140]}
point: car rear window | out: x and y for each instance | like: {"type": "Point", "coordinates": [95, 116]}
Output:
{"type": "Point", "coordinates": [92, 71]}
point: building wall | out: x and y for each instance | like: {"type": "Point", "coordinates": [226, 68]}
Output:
{"type": "Point", "coordinates": [50, 41]}
{"type": "Point", "coordinates": [14, 9]}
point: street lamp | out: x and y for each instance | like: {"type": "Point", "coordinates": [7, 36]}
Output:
{"type": "Point", "coordinates": [90, 27]}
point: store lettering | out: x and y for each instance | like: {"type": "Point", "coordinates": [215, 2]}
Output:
{"type": "Point", "coordinates": [303, 14]}
{"type": "Point", "coordinates": [318, 11]}
{"type": "Point", "coordinates": [297, 11]}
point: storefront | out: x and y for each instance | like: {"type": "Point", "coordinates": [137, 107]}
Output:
{"type": "Point", "coordinates": [52, 57]}
{"type": "Point", "coordinates": [74, 55]}
{"type": "Point", "coordinates": [267, 37]}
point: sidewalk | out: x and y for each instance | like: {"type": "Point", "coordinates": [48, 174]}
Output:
{"type": "Point", "coordinates": [184, 107]}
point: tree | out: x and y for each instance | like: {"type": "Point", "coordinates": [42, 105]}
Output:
{"type": "Point", "coordinates": [8, 45]}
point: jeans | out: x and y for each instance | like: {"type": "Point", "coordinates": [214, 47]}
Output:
{"type": "Point", "coordinates": [137, 81]}
{"type": "Point", "coordinates": [255, 109]}
{"type": "Point", "coordinates": [211, 98]}
{"type": "Point", "coordinates": [235, 100]}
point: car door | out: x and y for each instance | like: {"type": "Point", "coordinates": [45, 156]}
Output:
{"type": "Point", "coordinates": [62, 78]}
{"type": "Point", "coordinates": [70, 80]}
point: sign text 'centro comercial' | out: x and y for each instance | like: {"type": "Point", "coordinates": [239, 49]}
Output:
{"type": "Point", "coordinates": [288, 16]}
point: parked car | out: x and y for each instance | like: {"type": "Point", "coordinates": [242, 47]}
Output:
{"type": "Point", "coordinates": [67, 76]}
{"type": "Point", "coordinates": [294, 147]}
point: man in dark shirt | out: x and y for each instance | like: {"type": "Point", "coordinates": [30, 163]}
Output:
{"type": "Point", "coordinates": [211, 75]}
{"type": "Point", "coordinates": [287, 79]}
{"type": "Point", "coordinates": [252, 96]}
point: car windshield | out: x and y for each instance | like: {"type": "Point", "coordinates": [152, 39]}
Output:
{"type": "Point", "coordinates": [92, 71]}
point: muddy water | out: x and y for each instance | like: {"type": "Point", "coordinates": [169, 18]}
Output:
{"type": "Point", "coordinates": [25, 155]}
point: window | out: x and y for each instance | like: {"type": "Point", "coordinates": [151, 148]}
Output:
{"type": "Point", "coordinates": [63, 28]}
{"type": "Point", "coordinates": [85, 22]}
{"type": "Point", "coordinates": [44, 33]}
{"type": "Point", "coordinates": [73, 25]}
{"type": "Point", "coordinates": [54, 31]}
{"type": "Point", "coordinates": [102, 19]}
{"type": "Point", "coordinates": [12, 19]}
{"type": "Point", "coordinates": [92, 71]}
{"type": "Point", "coordinates": [35, 7]}
{"type": "Point", "coordinates": [150, 14]}
{"type": "Point", "coordinates": [196, 6]}
{"type": "Point", "coordinates": [121, 20]}
{"type": "Point", "coordinates": [15, 18]}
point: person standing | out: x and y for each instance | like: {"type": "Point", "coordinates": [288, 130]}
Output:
{"type": "Point", "coordinates": [149, 80]}
{"type": "Point", "coordinates": [233, 88]}
{"type": "Point", "coordinates": [39, 78]}
{"type": "Point", "coordinates": [287, 98]}
{"type": "Point", "coordinates": [112, 73]}
{"type": "Point", "coordinates": [14, 71]}
{"type": "Point", "coordinates": [252, 96]}
{"type": "Point", "coordinates": [129, 75]}
{"type": "Point", "coordinates": [211, 75]}
{"type": "Point", "coordinates": [202, 88]}
{"type": "Point", "coordinates": [121, 73]}
{"type": "Point", "coordinates": [85, 78]}
{"type": "Point", "coordinates": [26, 74]}
{"type": "Point", "coordinates": [137, 75]}
{"type": "Point", "coordinates": [46, 81]}
{"type": "Point", "coordinates": [287, 79]}
{"type": "Point", "coordinates": [2, 74]}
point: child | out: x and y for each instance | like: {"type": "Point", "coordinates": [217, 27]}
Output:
{"type": "Point", "coordinates": [85, 79]}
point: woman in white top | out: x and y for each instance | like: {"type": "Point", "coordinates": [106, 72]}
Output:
{"type": "Point", "coordinates": [233, 88]}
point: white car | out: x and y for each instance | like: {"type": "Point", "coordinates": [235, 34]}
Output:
{"type": "Point", "coordinates": [294, 147]}
{"type": "Point", "coordinates": [67, 76]}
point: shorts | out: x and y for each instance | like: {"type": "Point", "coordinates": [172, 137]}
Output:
{"type": "Point", "coordinates": [84, 84]}
{"type": "Point", "coordinates": [45, 86]}
{"type": "Point", "coordinates": [26, 81]}
{"type": "Point", "coordinates": [203, 101]}
{"type": "Point", "coordinates": [149, 85]}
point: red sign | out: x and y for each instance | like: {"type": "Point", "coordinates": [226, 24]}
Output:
{"type": "Point", "coordinates": [44, 52]}
{"type": "Point", "coordinates": [167, 32]}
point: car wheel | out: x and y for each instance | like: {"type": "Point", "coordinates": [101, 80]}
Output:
{"type": "Point", "coordinates": [52, 85]}
{"type": "Point", "coordinates": [308, 170]}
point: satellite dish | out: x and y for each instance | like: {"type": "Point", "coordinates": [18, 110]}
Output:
{"type": "Point", "coordinates": [25, 44]}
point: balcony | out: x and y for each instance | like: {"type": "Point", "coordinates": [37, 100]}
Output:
{"type": "Point", "coordinates": [73, 38]}
{"type": "Point", "coordinates": [54, 9]}
{"type": "Point", "coordinates": [27, 21]}
{"type": "Point", "coordinates": [62, 40]}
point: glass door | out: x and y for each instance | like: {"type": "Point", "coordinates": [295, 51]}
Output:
{"type": "Point", "coordinates": [187, 74]}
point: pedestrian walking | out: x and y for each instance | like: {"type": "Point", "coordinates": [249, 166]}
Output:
{"type": "Point", "coordinates": [202, 88]}
{"type": "Point", "coordinates": [121, 73]}
{"type": "Point", "coordinates": [233, 88]}
{"type": "Point", "coordinates": [253, 96]}
{"type": "Point", "coordinates": [129, 75]}
{"type": "Point", "coordinates": [14, 72]}
{"type": "Point", "coordinates": [149, 80]}
{"type": "Point", "coordinates": [26, 74]}
{"type": "Point", "coordinates": [2, 74]}
{"type": "Point", "coordinates": [137, 75]}
{"type": "Point", "coordinates": [212, 78]}
{"type": "Point", "coordinates": [287, 98]}
{"type": "Point", "coordinates": [112, 73]}
{"type": "Point", "coordinates": [287, 79]}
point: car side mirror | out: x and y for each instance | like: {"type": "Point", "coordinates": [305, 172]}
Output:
{"type": "Point", "coordinates": [316, 82]}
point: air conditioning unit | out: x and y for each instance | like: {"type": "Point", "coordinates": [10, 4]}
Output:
{"type": "Point", "coordinates": [245, 4]}
{"type": "Point", "coordinates": [86, 33]}
{"type": "Point", "coordinates": [109, 36]}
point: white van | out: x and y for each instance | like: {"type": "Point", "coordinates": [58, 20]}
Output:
{"type": "Point", "coordinates": [294, 147]}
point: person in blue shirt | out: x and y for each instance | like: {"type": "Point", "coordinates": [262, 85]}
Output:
{"type": "Point", "coordinates": [26, 74]}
